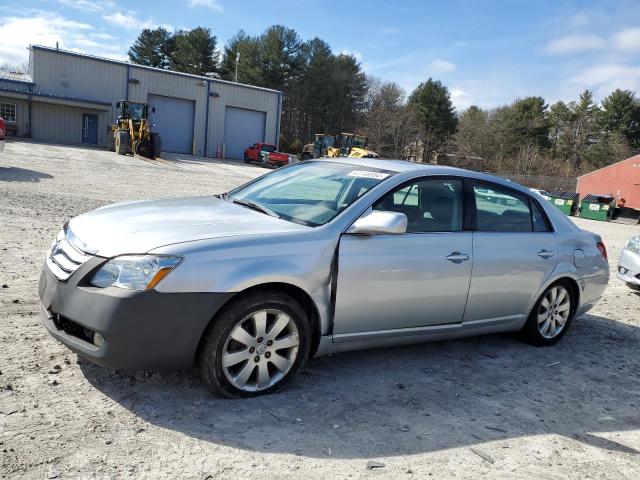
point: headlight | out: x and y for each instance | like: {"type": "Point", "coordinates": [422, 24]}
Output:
{"type": "Point", "coordinates": [634, 244]}
{"type": "Point", "coordinates": [135, 272]}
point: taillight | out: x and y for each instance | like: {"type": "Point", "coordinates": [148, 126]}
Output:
{"type": "Point", "coordinates": [603, 249]}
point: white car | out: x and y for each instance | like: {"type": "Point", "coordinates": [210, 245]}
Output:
{"type": "Point", "coordinates": [629, 264]}
{"type": "Point", "coordinates": [544, 193]}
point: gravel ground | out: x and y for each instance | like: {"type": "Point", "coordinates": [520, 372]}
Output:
{"type": "Point", "coordinates": [480, 407]}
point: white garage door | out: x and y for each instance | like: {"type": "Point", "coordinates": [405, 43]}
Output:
{"type": "Point", "coordinates": [242, 128]}
{"type": "Point", "coordinates": [173, 120]}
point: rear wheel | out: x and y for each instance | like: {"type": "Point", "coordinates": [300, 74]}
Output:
{"type": "Point", "coordinates": [157, 145]}
{"type": "Point", "coordinates": [122, 142]}
{"type": "Point", "coordinates": [255, 345]}
{"type": "Point", "coordinates": [550, 318]}
{"type": "Point", "coordinates": [246, 159]}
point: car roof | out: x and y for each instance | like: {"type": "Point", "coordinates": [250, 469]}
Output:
{"type": "Point", "coordinates": [402, 166]}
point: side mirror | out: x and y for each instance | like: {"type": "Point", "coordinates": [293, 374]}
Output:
{"type": "Point", "coordinates": [377, 222]}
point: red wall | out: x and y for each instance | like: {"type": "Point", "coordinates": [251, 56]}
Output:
{"type": "Point", "coordinates": [622, 180]}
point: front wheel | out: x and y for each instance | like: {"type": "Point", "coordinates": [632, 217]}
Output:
{"type": "Point", "coordinates": [550, 318]}
{"type": "Point", "coordinates": [255, 345]}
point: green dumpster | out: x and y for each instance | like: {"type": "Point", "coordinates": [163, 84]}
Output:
{"type": "Point", "coordinates": [597, 207]}
{"type": "Point", "coordinates": [567, 202]}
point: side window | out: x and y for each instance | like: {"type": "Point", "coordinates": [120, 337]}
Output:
{"type": "Point", "coordinates": [539, 222]}
{"type": "Point", "coordinates": [501, 210]}
{"type": "Point", "coordinates": [431, 205]}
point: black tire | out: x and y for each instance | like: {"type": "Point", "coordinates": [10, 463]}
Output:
{"type": "Point", "coordinates": [633, 286]}
{"type": "Point", "coordinates": [156, 141]}
{"type": "Point", "coordinates": [209, 360]}
{"type": "Point", "coordinates": [111, 140]}
{"type": "Point", "coordinates": [531, 332]}
{"type": "Point", "coordinates": [246, 159]}
{"type": "Point", "coordinates": [306, 156]}
{"type": "Point", "coordinates": [122, 142]}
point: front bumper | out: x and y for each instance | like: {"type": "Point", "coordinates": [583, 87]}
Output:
{"type": "Point", "coordinates": [629, 267]}
{"type": "Point", "coordinates": [144, 329]}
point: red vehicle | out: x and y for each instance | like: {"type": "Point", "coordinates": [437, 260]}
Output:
{"type": "Point", "coordinates": [272, 158]}
{"type": "Point", "coordinates": [3, 130]}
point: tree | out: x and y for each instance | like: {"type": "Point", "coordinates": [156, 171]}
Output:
{"type": "Point", "coordinates": [436, 115]}
{"type": "Point", "coordinates": [195, 52]}
{"type": "Point", "coordinates": [281, 57]}
{"type": "Point", "coordinates": [471, 139]}
{"type": "Point", "coordinates": [621, 114]}
{"type": "Point", "coordinates": [249, 63]}
{"type": "Point", "coordinates": [152, 48]}
{"type": "Point", "coordinates": [559, 118]}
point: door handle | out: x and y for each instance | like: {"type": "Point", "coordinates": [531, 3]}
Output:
{"type": "Point", "coordinates": [457, 257]}
{"type": "Point", "coordinates": [545, 254]}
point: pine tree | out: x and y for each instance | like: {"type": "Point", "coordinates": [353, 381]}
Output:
{"type": "Point", "coordinates": [435, 113]}
{"type": "Point", "coordinates": [152, 48]}
{"type": "Point", "coordinates": [195, 52]}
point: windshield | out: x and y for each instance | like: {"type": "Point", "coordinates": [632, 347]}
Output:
{"type": "Point", "coordinates": [310, 193]}
{"type": "Point", "coordinates": [136, 110]}
{"type": "Point", "coordinates": [268, 148]}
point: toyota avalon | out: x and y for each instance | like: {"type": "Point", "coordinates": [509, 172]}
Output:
{"type": "Point", "coordinates": [318, 257]}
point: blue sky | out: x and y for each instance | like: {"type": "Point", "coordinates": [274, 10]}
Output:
{"type": "Point", "coordinates": [487, 52]}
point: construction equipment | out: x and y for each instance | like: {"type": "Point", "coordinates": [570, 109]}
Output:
{"type": "Point", "coordinates": [132, 132]}
{"type": "Point", "coordinates": [342, 145]}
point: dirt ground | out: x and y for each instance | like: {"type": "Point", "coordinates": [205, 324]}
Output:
{"type": "Point", "coordinates": [481, 407]}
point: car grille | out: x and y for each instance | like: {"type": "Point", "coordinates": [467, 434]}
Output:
{"type": "Point", "coordinates": [64, 258]}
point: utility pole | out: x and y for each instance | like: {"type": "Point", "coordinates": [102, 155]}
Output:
{"type": "Point", "coordinates": [235, 77]}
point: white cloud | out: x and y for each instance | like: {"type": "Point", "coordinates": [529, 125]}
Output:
{"type": "Point", "coordinates": [210, 4]}
{"type": "Point", "coordinates": [461, 99]}
{"type": "Point", "coordinates": [604, 78]}
{"type": "Point", "coordinates": [133, 22]}
{"type": "Point", "coordinates": [628, 40]}
{"type": "Point", "coordinates": [440, 65]}
{"type": "Point", "coordinates": [354, 53]}
{"type": "Point", "coordinates": [389, 31]}
{"type": "Point", "coordinates": [575, 43]}
{"type": "Point", "coordinates": [45, 28]}
{"type": "Point", "coordinates": [128, 22]}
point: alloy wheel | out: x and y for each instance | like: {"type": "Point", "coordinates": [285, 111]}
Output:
{"type": "Point", "coordinates": [260, 350]}
{"type": "Point", "coordinates": [554, 312]}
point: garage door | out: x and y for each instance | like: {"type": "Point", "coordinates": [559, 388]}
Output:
{"type": "Point", "coordinates": [173, 120]}
{"type": "Point", "coordinates": [242, 128]}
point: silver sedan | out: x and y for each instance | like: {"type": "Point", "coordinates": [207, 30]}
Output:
{"type": "Point", "coordinates": [318, 257]}
{"type": "Point", "coordinates": [629, 263]}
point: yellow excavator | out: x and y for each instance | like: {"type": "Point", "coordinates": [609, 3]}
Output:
{"type": "Point", "coordinates": [342, 145]}
{"type": "Point", "coordinates": [132, 132]}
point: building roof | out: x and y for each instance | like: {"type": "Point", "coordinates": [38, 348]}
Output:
{"type": "Point", "coordinates": [636, 157]}
{"type": "Point", "coordinates": [145, 67]}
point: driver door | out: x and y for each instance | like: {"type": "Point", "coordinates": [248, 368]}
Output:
{"type": "Point", "coordinates": [416, 279]}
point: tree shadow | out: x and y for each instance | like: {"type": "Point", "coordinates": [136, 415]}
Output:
{"type": "Point", "coordinates": [405, 400]}
{"type": "Point", "coordinates": [16, 174]}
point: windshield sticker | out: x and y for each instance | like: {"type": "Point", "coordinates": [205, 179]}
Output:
{"type": "Point", "coordinates": [366, 174]}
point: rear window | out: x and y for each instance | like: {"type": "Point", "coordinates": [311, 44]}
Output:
{"type": "Point", "coordinates": [501, 209]}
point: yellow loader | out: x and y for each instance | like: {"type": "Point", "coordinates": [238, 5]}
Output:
{"type": "Point", "coordinates": [342, 145]}
{"type": "Point", "coordinates": [132, 132]}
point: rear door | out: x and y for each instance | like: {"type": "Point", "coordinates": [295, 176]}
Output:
{"type": "Point", "coordinates": [514, 252]}
{"type": "Point", "coordinates": [416, 279]}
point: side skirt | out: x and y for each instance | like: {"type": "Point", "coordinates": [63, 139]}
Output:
{"type": "Point", "coordinates": [404, 336]}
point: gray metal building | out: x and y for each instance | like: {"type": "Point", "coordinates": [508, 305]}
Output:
{"type": "Point", "coordinates": [71, 98]}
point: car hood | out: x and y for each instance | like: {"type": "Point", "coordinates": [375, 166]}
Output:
{"type": "Point", "coordinates": [137, 227]}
